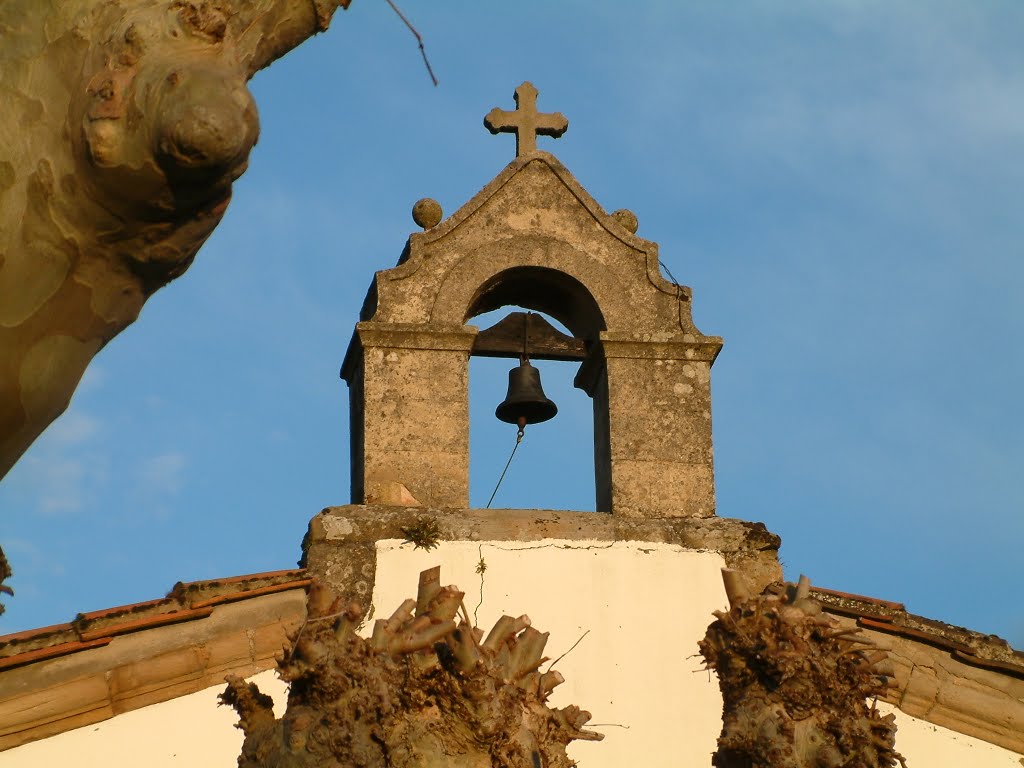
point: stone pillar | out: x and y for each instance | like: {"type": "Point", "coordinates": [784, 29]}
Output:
{"type": "Point", "coordinates": [409, 391]}
{"type": "Point", "coordinates": [659, 456]}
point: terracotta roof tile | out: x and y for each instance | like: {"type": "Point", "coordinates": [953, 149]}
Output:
{"type": "Point", "coordinates": [893, 618]}
{"type": "Point", "coordinates": [1017, 670]}
{"type": "Point", "coordinates": [147, 622]}
{"type": "Point", "coordinates": [28, 657]}
{"type": "Point", "coordinates": [914, 634]}
{"type": "Point", "coordinates": [118, 610]}
{"type": "Point", "coordinates": [136, 655]}
{"type": "Point", "coordinates": [185, 602]}
{"type": "Point", "coordinates": [192, 592]}
{"type": "Point", "coordinates": [856, 612]}
{"type": "Point", "coordinates": [94, 621]}
{"type": "Point", "coordinates": [29, 634]}
{"type": "Point", "coordinates": [34, 639]}
{"type": "Point", "coordinates": [268, 590]}
{"type": "Point", "coordinates": [861, 598]}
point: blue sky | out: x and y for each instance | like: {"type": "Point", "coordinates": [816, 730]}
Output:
{"type": "Point", "coordinates": [841, 184]}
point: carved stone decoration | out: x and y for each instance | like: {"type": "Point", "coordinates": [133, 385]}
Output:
{"type": "Point", "coordinates": [427, 213]}
{"type": "Point", "coordinates": [795, 684]}
{"type": "Point", "coordinates": [534, 238]}
{"type": "Point", "coordinates": [425, 689]}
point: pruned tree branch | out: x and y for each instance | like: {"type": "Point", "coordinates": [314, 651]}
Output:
{"type": "Point", "coordinates": [419, 40]}
{"type": "Point", "coordinates": [423, 690]}
{"type": "Point", "coordinates": [794, 685]}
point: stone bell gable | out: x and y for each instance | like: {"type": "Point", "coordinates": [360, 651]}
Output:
{"type": "Point", "coordinates": [533, 237]}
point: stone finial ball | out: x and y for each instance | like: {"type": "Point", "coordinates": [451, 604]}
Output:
{"type": "Point", "coordinates": [427, 213]}
{"type": "Point", "coordinates": [627, 220]}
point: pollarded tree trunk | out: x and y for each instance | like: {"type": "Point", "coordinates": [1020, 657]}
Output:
{"type": "Point", "coordinates": [424, 691]}
{"type": "Point", "coordinates": [123, 124]}
{"type": "Point", "coordinates": [795, 684]}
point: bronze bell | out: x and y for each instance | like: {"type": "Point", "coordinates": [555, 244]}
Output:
{"type": "Point", "coordinates": [525, 402]}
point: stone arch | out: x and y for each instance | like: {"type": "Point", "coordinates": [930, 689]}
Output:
{"type": "Point", "coordinates": [566, 299]}
{"type": "Point", "coordinates": [541, 289]}
{"type": "Point", "coordinates": [614, 294]}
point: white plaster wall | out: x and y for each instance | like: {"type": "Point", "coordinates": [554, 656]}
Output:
{"type": "Point", "coordinates": [925, 745]}
{"type": "Point", "coordinates": [188, 731]}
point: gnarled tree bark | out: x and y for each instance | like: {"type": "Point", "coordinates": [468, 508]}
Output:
{"type": "Point", "coordinates": [124, 123]}
{"type": "Point", "coordinates": [795, 685]}
{"type": "Point", "coordinates": [423, 691]}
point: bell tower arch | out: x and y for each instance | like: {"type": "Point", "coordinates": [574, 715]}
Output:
{"type": "Point", "coordinates": [532, 237]}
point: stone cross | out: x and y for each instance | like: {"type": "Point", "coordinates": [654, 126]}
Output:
{"type": "Point", "coordinates": [526, 122]}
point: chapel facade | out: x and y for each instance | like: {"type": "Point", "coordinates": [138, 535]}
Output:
{"type": "Point", "coordinates": [626, 592]}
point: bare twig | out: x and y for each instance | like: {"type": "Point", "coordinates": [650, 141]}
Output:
{"type": "Point", "coordinates": [552, 664]}
{"type": "Point", "coordinates": [419, 40]}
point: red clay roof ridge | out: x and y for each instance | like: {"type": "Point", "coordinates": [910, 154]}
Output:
{"type": "Point", "coordinates": [185, 602]}
{"type": "Point", "coordinates": [892, 617]}
{"type": "Point", "coordinates": [187, 592]}
{"type": "Point", "coordinates": [107, 617]}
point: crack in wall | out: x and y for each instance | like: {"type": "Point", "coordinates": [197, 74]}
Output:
{"type": "Point", "coordinates": [481, 568]}
{"type": "Point", "coordinates": [553, 545]}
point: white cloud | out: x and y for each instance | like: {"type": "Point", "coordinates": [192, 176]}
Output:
{"type": "Point", "coordinates": [892, 88]}
{"type": "Point", "coordinates": [59, 483]}
{"type": "Point", "coordinates": [63, 487]}
{"type": "Point", "coordinates": [63, 470]}
{"type": "Point", "coordinates": [162, 475]}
